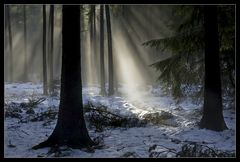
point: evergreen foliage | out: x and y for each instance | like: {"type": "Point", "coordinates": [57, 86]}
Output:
{"type": "Point", "coordinates": [183, 71]}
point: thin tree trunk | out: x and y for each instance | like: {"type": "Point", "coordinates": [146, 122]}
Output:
{"type": "Point", "coordinates": [10, 42]}
{"type": "Point", "coordinates": [45, 91]}
{"type": "Point", "coordinates": [94, 29]}
{"type": "Point", "coordinates": [110, 55]}
{"type": "Point", "coordinates": [83, 49]}
{"type": "Point", "coordinates": [91, 31]}
{"type": "Point", "coordinates": [92, 50]}
{"type": "Point", "coordinates": [93, 41]}
{"type": "Point", "coordinates": [102, 70]}
{"type": "Point", "coordinates": [5, 46]}
{"type": "Point", "coordinates": [212, 109]}
{"type": "Point", "coordinates": [50, 54]}
{"type": "Point", "coordinates": [71, 128]}
{"type": "Point", "coordinates": [95, 44]}
{"type": "Point", "coordinates": [25, 44]}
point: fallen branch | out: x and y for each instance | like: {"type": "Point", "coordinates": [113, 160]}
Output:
{"type": "Point", "coordinates": [154, 153]}
{"type": "Point", "coordinates": [195, 149]}
{"type": "Point", "coordinates": [100, 118]}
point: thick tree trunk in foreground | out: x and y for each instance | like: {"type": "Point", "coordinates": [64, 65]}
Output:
{"type": "Point", "coordinates": [212, 111]}
{"type": "Point", "coordinates": [102, 70]}
{"type": "Point", "coordinates": [110, 55]}
{"type": "Point", "coordinates": [45, 91]}
{"type": "Point", "coordinates": [70, 129]}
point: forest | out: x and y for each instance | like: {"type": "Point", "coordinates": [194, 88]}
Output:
{"type": "Point", "coordinates": [119, 81]}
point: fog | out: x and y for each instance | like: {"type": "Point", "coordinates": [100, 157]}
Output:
{"type": "Point", "coordinates": [34, 43]}
{"type": "Point", "coordinates": [132, 25]}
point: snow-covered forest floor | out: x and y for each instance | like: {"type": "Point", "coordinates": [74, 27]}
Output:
{"type": "Point", "coordinates": [167, 126]}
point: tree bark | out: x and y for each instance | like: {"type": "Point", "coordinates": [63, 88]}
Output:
{"type": "Point", "coordinates": [70, 129]}
{"type": "Point", "coordinates": [50, 54]}
{"type": "Point", "coordinates": [94, 29]}
{"type": "Point", "coordinates": [25, 45]}
{"type": "Point", "coordinates": [92, 42]}
{"type": "Point", "coordinates": [102, 70]}
{"type": "Point", "coordinates": [83, 48]}
{"type": "Point", "coordinates": [10, 42]}
{"type": "Point", "coordinates": [212, 109]}
{"type": "Point", "coordinates": [110, 55]}
{"type": "Point", "coordinates": [45, 91]}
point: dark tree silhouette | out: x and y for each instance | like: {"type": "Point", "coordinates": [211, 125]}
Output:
{"type": "Point", "coordinates": [8, 24]}
{"type": "Point", "coordinates": [92, 30]}
{"type": "Point", "coordinates": [102, 70]}
{"type": "Point", "coordinates": [212, 109]}
{"type": "Point", "coordinates": [25, 76]}
{"type": "Point", "coordinates": [50, 54]}
{"type": "Point", "coordinates": [70, 129]}
{"type": "Point", "coordinates": [45, 91]}
{"type": "Point", "coordinates": [93, 48]}
{"type": "Point", "coordinates": [110, 55]}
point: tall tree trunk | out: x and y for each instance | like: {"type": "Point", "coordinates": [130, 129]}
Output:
{"type": "Point", "coordinates": [45, 91]}
{"type": "Point", "coordinates": [212, 109]}
{"type": "Point", "coordinates": [50, 54]}
{"type": "Point", "coordinates": [95, 45]}
{"type": "Point", "coordinates": [92, 36]}
{"type": "Point", "coordinates": [92, 49]}
{"type": "Point", "coordinates": [10, 42]}
{"type": "Point", "coordinates": [83, 48]}
{"type": "Point", "coordinates": [70, 129]}
{"type": "Point", "coordinates": [5, 46]}
{"type": "Point", "coordinates": [110, 55]}
{"type": "Point", "coordinates": [25, 45]}
{"type": "Point", "coordinates": [91, 30]}
{"type": "Point", "coordinates": [94, 29]}
{"type": "Point", "coordinates": [102, 70]}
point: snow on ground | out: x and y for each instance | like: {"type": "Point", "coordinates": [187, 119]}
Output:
{"type": "Point", "coordinates": [118, 142]}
